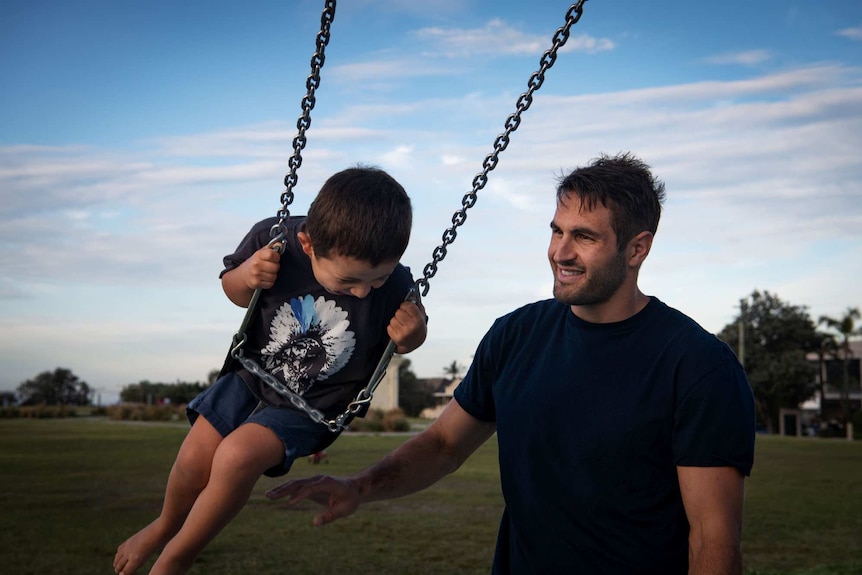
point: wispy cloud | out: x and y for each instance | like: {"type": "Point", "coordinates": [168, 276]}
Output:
{"type": "Point", "coordinates": [744, 58]}
{"type": "Point", "coordinates": [759, 171]}
{"type": "Point", "coordinates": [437, 46]}
{"type": "Point", "coordinates": [499, 39]}
{"type": "Point", "coordinates": [854, 33]}
{"type": "Point", "coordinates": [379, 71]}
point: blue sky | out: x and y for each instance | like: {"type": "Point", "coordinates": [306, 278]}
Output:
{"type": "Point", "coordinates": [139, 140]}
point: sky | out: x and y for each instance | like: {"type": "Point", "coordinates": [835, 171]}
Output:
{"type": "Point", "coordinates": [140, 140]}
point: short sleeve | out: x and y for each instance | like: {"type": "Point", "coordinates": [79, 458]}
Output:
{"type": "Point", "coordinates": [714, 417]}
{"type": "Point", "coordinates": [475, 393]}
{"type": "Point", "coordinates": [256, 238]}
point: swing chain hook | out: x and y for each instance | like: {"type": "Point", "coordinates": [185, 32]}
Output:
{"type": "Point", "coordinates": [304, 121]}
{"type": "Point", "coordinates": [501, 143]}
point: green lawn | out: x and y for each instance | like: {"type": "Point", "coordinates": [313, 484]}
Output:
{"type": "Point", "coordinates": [72, 490]}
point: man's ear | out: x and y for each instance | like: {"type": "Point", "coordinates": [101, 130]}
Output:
{"type": "Point", "coordinates": [639, 248]}
{"type": "Point", "coordinates": [305, 242]}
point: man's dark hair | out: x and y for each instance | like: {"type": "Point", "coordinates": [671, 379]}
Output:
{"type": "Point", "coordinates": [363, 213]}
{"type": "Point", "coordinates": [624, 185]}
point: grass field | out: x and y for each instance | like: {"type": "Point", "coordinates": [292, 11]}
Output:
{"type": "Point", "coordinates": [72, 490]}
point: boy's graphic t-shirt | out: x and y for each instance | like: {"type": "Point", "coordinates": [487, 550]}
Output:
{"type": "Point", "coordinates": [322, 346]}
{"type": "Point", "coordinates": [309, 341]}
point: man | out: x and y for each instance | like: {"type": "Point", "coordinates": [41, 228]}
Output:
{"type": "Point", "coordinates": [625, 430]}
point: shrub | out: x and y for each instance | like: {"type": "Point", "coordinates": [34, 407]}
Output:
{"type": "Point", "coordinates": [832, 430]}
{"type": "Point", "coordinates": [376, 421]}
{"type": "Point", "coordinates": [10, 411]}
{"type": "Point", "coordinates": [373, 421]}
{"type": "Point", "coordinates": [42, 411]}
{"type": "Point", "coordinates": [395, 420]}
{"type": "Point", "coordinates": [857, 425]}
{"type": "Point", "coordinates": [143, 412]}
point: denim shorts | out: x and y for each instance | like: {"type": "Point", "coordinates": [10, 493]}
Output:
{"type": "Point", "coordinates": [228, 403]}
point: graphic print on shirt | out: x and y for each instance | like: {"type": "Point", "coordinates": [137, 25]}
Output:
{"type": "Point", "coordinates": [309, 341]}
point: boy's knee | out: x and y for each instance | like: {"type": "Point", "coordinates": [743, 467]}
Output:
{"type": "Point", "coordinates": [195, 457]}
{"type": "Point", "coordinates": [248, 453]}
{"type": "Point", "coordinates": [194, 466]}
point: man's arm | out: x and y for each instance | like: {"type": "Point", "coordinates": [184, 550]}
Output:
{"type": "Point", "coordinates": [416, 464]}
{"type": "Point", "coordinates": [713, 501]}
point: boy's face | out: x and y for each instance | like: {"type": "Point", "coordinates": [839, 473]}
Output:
{"type": "Point", "coordinates": [343, 275]}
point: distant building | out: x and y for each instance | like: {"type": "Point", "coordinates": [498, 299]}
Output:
{"type": "Point", "coordinates": [444, 390]}
{"type": "Point", "coordinates": [386, 395]}
{"type": "Point", "coordinates": [829, 375]}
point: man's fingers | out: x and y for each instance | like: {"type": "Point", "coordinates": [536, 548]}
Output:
{"type": "Point", "coordinates": [337, 497]}
{"type": "Point", "coordinates": [296, 490]}
{"type": "Point", "coordinates": [290, 489]}
{"type": "Point", "coordinates": [290, 495]}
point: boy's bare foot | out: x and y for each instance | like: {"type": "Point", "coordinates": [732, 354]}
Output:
{"type": "Point", "coordinates": [135, 550]}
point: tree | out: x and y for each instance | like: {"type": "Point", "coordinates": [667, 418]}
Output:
{"type": "Point", "coordinates": [776, 337]}
{"type": "Point", "coordinates": [845, 328]}
{"type": "Point", "coordinates": [8, 398]}
{"type": "Point", "coordinates": [453, 370]}
{"type": "Point", "coordinates": [178, 393]}
{"type": "Point", "coordinates": [212, 376]}
{"type": "Point", "coordinates": [60, 387]}
{"type": "Point", "coordinates": [414, 395]}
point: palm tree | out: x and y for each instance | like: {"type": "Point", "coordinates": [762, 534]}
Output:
{"type": "Point", "coordinates": [845, 327]}
{"type": "Point", "coordinates": [453, 370]}
{"type": "Point", "coordinates": [827, 347]}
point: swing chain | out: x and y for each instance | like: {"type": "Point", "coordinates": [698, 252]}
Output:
{"type": "Point", "coordinates": [334, 425]}
{"type": "Point", "coordinates": [277, 234]}
{"type": "Point", "coordinates": [304, 121]}
{"type": "Point", "coordinates": [501, 143]}
{"type": "Point", "coordinates": [421, 286]}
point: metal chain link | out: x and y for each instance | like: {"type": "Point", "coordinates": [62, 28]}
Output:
{"type": "Point", "coordinates": [501, 143]}
{"type": "Point", "coordinates": [304, 121]}
{"type": "Point", "coordinates": [422, 286]}
{"type": "Point", "coordinates": [277, 231]}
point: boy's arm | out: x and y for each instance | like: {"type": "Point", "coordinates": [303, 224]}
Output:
{"type": "Point", "coordinates": [258, 271]}
{"type": "Point", "coordinates": [407, 328]}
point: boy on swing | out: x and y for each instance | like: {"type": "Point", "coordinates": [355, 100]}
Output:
{"type": "Point", "coordinates": [334, 295]}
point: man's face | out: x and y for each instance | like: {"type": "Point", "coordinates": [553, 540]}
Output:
{"type": "Point", "coordinates": [588, 267]}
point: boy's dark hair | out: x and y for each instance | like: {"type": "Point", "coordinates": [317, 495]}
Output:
{"type": "Point", "coordinates": [363, 213]}
{"type": "Point", "coordinates": [624, 185]}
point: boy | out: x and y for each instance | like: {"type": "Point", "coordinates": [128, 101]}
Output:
{"type": "Point", "coordinates": [332, 295]}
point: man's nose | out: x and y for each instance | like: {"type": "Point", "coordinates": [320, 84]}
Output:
{"type": "Point", "coordinates": [562, 251]}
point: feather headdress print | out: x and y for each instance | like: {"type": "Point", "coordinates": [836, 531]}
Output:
{"type": "Point", "coordinates": [309, 341]}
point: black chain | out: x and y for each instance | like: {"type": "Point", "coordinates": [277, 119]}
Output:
{"type": "Point", "coordinates": [512, 122]}
{"type": "Point", "coordinates": [304, 121]}
{"type": "Point", "coordinates": [500, 144]}
{"type": "Point", "coordinates": [277, 231]}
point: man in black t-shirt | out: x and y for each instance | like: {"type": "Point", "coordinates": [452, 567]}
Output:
{"type": "Point", "coordinates": [625, 430]}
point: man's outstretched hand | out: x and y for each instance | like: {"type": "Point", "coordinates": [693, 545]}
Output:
{"type": "Point", "coordinates": [339, 496]}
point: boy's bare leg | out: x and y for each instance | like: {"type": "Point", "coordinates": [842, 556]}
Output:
{"type": "Point", "coordinates": [240, 459]}
{"type": "Point", "coordinates": [189, 475]}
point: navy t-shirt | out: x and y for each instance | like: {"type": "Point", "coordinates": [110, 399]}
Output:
{"type": "Point", "coordinates": [592, 420]}
{"type": "Point", "coordinates": [322, 346]}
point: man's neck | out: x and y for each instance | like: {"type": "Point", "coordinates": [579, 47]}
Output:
{"type": "Point", "coordinates": [621, 306]}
